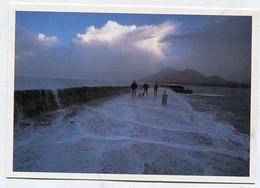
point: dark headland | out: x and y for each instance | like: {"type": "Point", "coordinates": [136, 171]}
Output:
{"type": "Point", "coordinates": [191, 77]}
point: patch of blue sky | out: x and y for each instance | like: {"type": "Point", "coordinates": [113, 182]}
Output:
{"type": "Point", "coordinates": [65, 25]}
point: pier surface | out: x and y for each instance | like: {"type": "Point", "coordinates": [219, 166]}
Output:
{"type": "Point", "coordinates": [130, 135]}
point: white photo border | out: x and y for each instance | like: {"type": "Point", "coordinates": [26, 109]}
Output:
{"type": "Point", "coordinates": [84, 8]}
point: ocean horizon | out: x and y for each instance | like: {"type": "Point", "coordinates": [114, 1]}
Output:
{"type": "Point", "coordinates": [31, 83]}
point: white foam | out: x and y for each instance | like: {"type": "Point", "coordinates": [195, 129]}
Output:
{"type": "Point", "coordinates": [207, 95]}
{"type": "Point", "coordinates": [55, 93]}
{"type": "Point", "coordinates": [110, 127]}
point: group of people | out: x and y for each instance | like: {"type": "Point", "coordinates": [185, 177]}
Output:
{"type": "Point", "coordinates": [134, 86]}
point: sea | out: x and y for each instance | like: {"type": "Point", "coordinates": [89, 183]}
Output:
{"type": "Point", "coordinates": [30, 83]}
{"type": "Point", "coordinates": [224, 104]}
{"type": "Point", "coordinates": [206, 133]}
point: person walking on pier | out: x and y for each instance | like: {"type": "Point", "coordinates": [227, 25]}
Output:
{"type": "Point", "coordinates": [155, 89]}
{"type": "Point", "coordinates": [145, 86]}
{"type": "Point", "coordinates": [134, 87]}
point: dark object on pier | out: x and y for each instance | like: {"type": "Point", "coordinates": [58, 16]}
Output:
{"type": "Point", "coordinates": [178, 88]}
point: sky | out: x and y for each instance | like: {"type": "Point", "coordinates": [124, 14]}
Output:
{"type": "Point", "coordinates": [112, 46]}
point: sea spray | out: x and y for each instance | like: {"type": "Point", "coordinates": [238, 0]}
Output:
{"type": "Point", "coordinates": [134, 136]}
{"type": "Point", "coordinates": [55, 93]}
{"type": "Point", "coordinates": [191, 114]}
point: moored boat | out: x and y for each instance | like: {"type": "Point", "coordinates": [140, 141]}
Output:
{"type": "Point", "coordinates": [178, 88]}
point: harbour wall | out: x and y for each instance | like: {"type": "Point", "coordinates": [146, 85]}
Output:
{"type": "Point", "coordinates": [30, 103]}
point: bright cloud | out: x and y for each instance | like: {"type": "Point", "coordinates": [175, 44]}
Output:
{"type": "Point", "coordinates": [110, 32]}
{"type": "Point", "coordinates": [47, 41]}
{"type": "Point", "coordinates": [113, 51]}
{"type": "Point", "coordinates": [28, 43]}
{"type": "Point", "coordinates": [113, 40]}
{"type": "Point", "coordinates": [147, 38]}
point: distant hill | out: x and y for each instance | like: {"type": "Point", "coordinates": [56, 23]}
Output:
{"type": "Point", "coordinates": [188, 76]}
{"type": "Point", "coordinates": [213, 80]}
{"type": "Point", "coordinates": [178, 76]}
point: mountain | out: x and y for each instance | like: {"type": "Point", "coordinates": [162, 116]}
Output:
{"type": "Point", "coordinates": [176, 76]}
{"type": "Point", "coordinates": [215, 80]}
{"type": "Point", "coordinates": [188, 76]}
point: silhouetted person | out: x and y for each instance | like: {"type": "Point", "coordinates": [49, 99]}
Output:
{"type": "Point", "coordinates": [134, 87]}
{"type": "Point", "coordinates": [145, 86]}
{"type": "Point", "coordinates": [155, 89]}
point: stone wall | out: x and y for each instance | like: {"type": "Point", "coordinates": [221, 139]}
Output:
{"type": "Point", "coordinates": [30, 103]}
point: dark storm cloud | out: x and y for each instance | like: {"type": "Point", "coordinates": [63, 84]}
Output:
{"type": "Point", "coordinates": [216, 45]}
